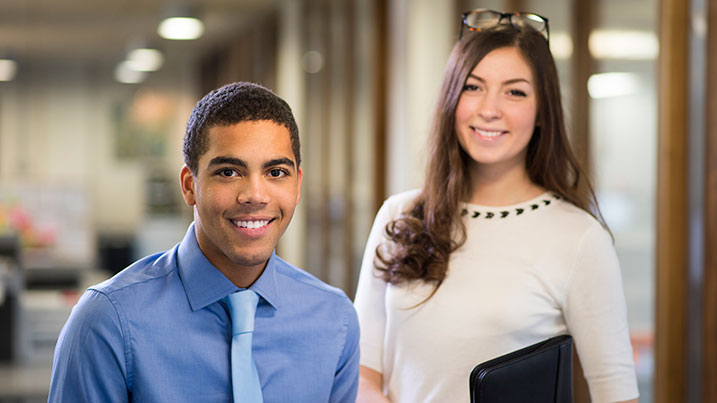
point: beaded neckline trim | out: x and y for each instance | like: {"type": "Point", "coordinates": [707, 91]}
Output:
{"type": "Point", "coordinates": [506, 212]}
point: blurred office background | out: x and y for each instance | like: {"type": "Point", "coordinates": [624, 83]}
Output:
{"type": "Point", "coordinates": [94, 99]}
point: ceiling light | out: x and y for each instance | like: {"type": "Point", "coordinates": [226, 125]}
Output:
{"type": "Point", "coordinates": [8, 68]}
{"type": "Point", "coordinates": [145, 59]}
{"type": "Point", "coordinates": [605, 85]}
{"type": "Point", "coordinates": [181, 28]}
{"type": "Point", "coordinates": [124, 73]}
{"type": "Point", "coordinates": [630, 45]}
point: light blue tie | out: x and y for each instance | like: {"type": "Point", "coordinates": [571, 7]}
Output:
{"type": "Point", "coordinates": [245, 380]}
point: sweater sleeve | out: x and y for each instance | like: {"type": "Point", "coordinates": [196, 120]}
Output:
{"type": "Point", "coordinates": [370, 295]}
{"type": "Point", "coordinates": [596, 315]}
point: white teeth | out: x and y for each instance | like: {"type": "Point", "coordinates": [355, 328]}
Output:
{"type": "Point", "coordinates": [486, 133]}
{"type": "Point", "coordinates": [251, 224]}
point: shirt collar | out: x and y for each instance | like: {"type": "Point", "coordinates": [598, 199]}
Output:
{"type": "Point", "coordinates": [205, 284]}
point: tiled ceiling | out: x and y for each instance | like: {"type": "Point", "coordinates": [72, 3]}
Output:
{"type": "Point", "coordinates": [102, 31]}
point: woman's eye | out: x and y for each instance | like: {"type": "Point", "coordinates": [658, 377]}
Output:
{"type": "Point", "coordinates": [470, 87]}
{"type": "Point", "coordinates": [517, 93]}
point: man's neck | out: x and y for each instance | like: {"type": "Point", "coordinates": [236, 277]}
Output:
{"type": "Point", "coordinates": [242, 277]}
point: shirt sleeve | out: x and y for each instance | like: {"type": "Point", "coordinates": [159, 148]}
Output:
{"type": "Point", "coordinates": [345, 385]}
{"type": "Point", "coordinates": [596, 316]}
{"type": "Point", "coordinates": [89, 363]}
{"type": "Point", "coordinates": [370, 295]}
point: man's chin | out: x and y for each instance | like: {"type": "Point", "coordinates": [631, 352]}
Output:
{"type": "Point", "coordinates": [255, 260]}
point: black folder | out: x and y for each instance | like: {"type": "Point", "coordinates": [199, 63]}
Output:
{"type": "Point", "coordinates": [541, 373]}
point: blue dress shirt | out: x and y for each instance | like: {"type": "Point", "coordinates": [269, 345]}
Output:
{"type": "Point", "coordinates": [159, 332]}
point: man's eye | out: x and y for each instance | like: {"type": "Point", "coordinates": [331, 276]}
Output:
{"type": "Point", "coordinates": [277, 173]}
{"type": "Point", "coordinates": [227, 172]}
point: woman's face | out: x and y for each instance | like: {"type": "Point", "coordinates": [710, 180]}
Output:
{"type": "Point", "coordinates": [496, 111]}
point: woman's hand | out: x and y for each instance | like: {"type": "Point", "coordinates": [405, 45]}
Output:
{"type": "Point", "coordinates": [370, 387]}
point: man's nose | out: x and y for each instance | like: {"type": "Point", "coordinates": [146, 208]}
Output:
{"type": "Point", "coordinates": [253, 191]}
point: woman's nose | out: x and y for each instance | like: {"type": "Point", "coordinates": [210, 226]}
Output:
{"type": "Point", "coordinates": [489, 108]}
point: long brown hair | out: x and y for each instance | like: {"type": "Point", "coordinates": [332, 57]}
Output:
{"type": "Point", "coordinates": [424, 237]}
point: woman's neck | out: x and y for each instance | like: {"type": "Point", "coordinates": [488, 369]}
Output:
{"type": "Point", "coordinates": [498, 186]}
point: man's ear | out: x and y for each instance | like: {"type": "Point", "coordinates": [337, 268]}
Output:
{"type": "Point", "coordinates": [186, 181]}
{"type": "Point", "coordinates": [300, 174]}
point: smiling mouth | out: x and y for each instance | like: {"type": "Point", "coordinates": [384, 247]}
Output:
{"type": "Point", "coordinates": [487, 133]}
{"type": "Point", "coordinates": [251, 224]}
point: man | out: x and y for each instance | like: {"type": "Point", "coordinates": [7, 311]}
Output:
{"type": "Point", "coordinates": [160, 331]}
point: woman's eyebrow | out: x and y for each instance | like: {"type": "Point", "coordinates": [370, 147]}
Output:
{"type": "Point", "coordinates": [516, 80]}
{"type": "Point", "coordinates": [506, 82]}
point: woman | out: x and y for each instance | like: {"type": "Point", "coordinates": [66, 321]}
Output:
{"type": "Point", "coordinates": [503, 246]}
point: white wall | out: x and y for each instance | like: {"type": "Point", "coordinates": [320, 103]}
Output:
{"type": "Point", "coordinates": [57, 128]}
{"type": "Point", "coordinates": [421, 34]}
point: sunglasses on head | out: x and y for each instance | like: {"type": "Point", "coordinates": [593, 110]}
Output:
{"type": "Point", "coordinates": [483, 18]}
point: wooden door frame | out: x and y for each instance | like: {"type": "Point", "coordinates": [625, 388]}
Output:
{"type": "Point", "coordinates": [671, 247]}
{"type": "Point", "coordinates": [709, 303]}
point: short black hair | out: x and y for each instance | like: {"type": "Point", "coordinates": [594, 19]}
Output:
{"type": "Point", "coordinates": [231, 104]}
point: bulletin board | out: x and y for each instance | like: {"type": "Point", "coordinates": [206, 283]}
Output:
{"type": "Point", "coordinates": [53, 222]}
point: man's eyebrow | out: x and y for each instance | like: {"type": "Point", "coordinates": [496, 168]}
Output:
{"type": "Point", "coordinates": [222, 160]}
{"type": "Point", "coordinates": [227, 160]}
{"type": "Point", "coordinates": [279, 161]}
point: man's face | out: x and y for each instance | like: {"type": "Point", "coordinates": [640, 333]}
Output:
{"type": "Point", "coordinates": [244, 193]}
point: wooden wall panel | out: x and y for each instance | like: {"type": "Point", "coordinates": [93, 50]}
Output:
{"type": "Point", "coordinates": [709, 334]}
{"type": "Point", "coordinates": [330, 30]}
{"type": "Point", "coordinates": [250, 56]}
{"type": "Point", "coordinates": [315, 192]}
{"type": "Point", "coordinates": [349, 154]}
{"type": "Point", "coordinates": [582, 66]}
{"type": "Point", "coordinates": [671, 247]}
{"type": "Point", "coordinates": [381, 101]}
{"type": "Point", "coordinates": [515, 5]}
